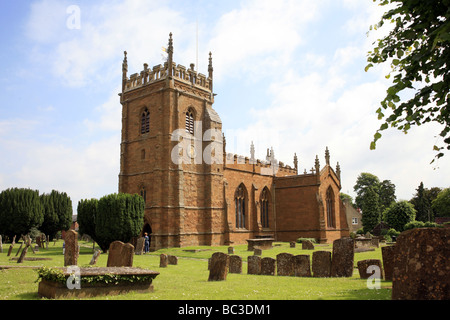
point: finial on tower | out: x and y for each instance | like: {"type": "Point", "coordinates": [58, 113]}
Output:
{"type": "Point", "coordinates": [124, 70]}
{"type": "Point", "coordinates": [210, 71]}
{"type": "Point", "coordinates": [327, 156]}
{"type": "Point", "coordinates": [170, 55]}
{"type": "Point", "coordinates": [338, 171]}
{"type": "Point", "coordinates": [317, 165]}
{"type": "Point", "coordinates": [295, 162]}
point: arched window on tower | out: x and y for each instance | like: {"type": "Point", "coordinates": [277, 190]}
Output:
{"type": "Point", "coordinates": [265, 208]}
{"type": "Point", "coordinates": [240, 203]}
{"type": "Point", "coordinates": [330, 208]}
{"type": "Point", "coordinates": [145, 121]}
{"type": "Point", "coordinates": [143, 193]}
{"type": "Point", "coordinates": [190, 122]}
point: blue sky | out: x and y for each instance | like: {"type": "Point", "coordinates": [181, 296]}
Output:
{"type": "Point", "coordinates": [288, 75]}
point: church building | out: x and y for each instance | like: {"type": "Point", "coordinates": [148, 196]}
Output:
{"type": "Point", "coordinates": [173, 153]}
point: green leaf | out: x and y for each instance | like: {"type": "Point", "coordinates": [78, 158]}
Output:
{"type": "Point", "coordinates": [370, 65]}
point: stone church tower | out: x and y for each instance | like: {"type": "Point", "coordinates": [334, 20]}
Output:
{"type": "Point", "coordinates": [174, 155]}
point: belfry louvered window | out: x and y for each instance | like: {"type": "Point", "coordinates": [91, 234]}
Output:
{"type": "Point", "coordinates": [189, 122]}
{"type": "Point", "coordinates": [145, 121]}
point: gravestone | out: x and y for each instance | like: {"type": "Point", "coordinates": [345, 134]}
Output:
{"type": "Point", "coordinates": [257, 251]}
{"type": "Point", "coordinates": [422, 265]}
{"type": "Point", "coordinates": [292, 244]}
{"type": "Point", "coordinates": [253, 265]}
{"type": "Point", "coordinates": [363, 266]}
{"type": "Point", "coordinates": [20, 248]}
{"type": "Point", "coordinates": [38, 241]}
{"type": "Point", "coordinates": [268, 266]}
{"type": "Point", "coordinates": [163, 260]}
{"type": "Point", "coordinates": [140, 243]}
{"type": "Point", "coordinates": [302, 266]}
{"type": "Point", "coordinates": [24, 251]}
{"type": "Point", "coordinates": [11, 246]}
{"type": "Point", "coordinates": [95, 257]}
{"type": "Point", "coordinates": [342, 257]}
{"type": "Point", "coordinates": [321, 264]}
{"type": "Point", "coordinates": [230, 250]}
{"type": "Point", "coordinates": [235, 264]}
{"type": "Point", "coordinates": [307, 245]}
{"type": "Point", "coordinates": [219, 266]}
{"type": "Point", "coordinates": [285, 264]}
{"type": "Point", "coordinates": [120, 254]}
{"type": "Point", "coordinates": [172, 260]}
{"type": "Point", "coordinates": [71, 248]}
{"type": "Point", "coordinates": [387, 253]}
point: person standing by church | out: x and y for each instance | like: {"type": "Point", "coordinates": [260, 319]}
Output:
{"type": "Point", "coordinates": [146, 242]}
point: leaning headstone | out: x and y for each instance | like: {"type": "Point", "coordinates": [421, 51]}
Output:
{"type": "Point", "coordinates": [268, 266]}
{"type": "Point", "coordinates": [321, 264]}
{"type": "Point", "coordinates": [370, 268]}
{"type": "Point", "coordinates": [95, 257]}
{"type": "Point", "coordinates": [387, 253]}
{"type": "Point", "coordinates": [219, 266]}
{"type": "Point", "coordinates": [342, 257]}
{"type": "Point", "coordinates": [307, 245]}
{"type": "Point", "coordinates": [163, 260]}
{"type": "Point", "coordinates": [71, 248]}
{"type": "Point", "coordinates": [20, 248]}
{"type": "Point", "coordinates": [235, 264]}
{"type": "Point", "coordinates": [230, 250]}
{"type": "Point", "coordinates": [253, 265]}
{"type": "Point", "coordinates": [285, 264]}
{"type": "Point", "coordinates": [140, 246]}
{"type": "Point", "coordinates": [24, 252]}
{"type": "Point", "coordinates": [302, 266]}
{"type": "Point", "coordinates": [11, 246]}
{"type": "Point", "coordinates": [173, 260]}
{"type": "Point", "coordinates": [120, 254]}
{"type": "Point", "coordinates": [422, 265]}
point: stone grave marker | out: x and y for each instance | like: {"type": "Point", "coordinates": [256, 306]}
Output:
{"type": "Point", "coordinates": [120, 254]}
{"type": "Point", "coordinates": [422, 265]}
{"type": "Point", "coordinates": [253, 265]}
{"type": "Point", "coordinates": [302, 266]}
{"type": "Point", "coordinates": [342, 258]}
{"type": "Point", "coordinates": [20, 248]}
{"type": "Point", "coordinates": [230, 250]}
{"type": "Point", "coordinates": [257, 252]}
{"type": "Point", "coordinates": [321, 264]}
{"type": "Point", "coordinates": [285, 264]}
{"type": "Point", "coordinates": [235, 264]}
{"type": "Point", "coordinates": [387, 253]}
{"type": "Point", "coordinates": [268, 266]}
{"type": "Point", "coordinates": [172, 260]}
{"type": "Point", "coordinates": [363, 266]}
{"type": "Point", "coordinates": [307, 245]}
{"type": "Point", "coordinates": [219, 267]}
{"type": "Point", "coordinates": [163, 260]}
{"type": "Point", "coordinates": [95, 257]}
{"type": "Point", "coordinates": [140, 243]}
{"type": "Point", "coordinates": [71, 248]}
{"type": "Point", "coordinates": [292, 244]}
{"type": "Point", "coordinates": [24, 251]}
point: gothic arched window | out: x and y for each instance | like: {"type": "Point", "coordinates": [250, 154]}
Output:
{"type": "Point", "coordinates": [330, 208]}
{"type": "Point", "coordinates": [190, 122]}
{"type": "Point", "coordinates": [240, 203]}
{"type": "Point", "coordinates": [265, 208]}
{"type": "Point", "coordinates": [143, 193]}
{"type": "Point", "coordinates": [145, 121]}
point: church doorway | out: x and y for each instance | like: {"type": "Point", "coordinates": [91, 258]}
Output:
{"type": "Point", "coordinates": [147, 229]}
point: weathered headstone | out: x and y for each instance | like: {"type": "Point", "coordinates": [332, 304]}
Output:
{"type": "Point", "coordinates": [285, 264]}
{"type": "Point", "coordinates": [268, 266]}
{"type": "Point", "coordinates": [95, 257]}
{"type": "Point", "coordinates": [302, 266]}
{"type": "Point", "coordinates": [120, 254]}
{"type": "Point", "coordinates": [387, 253]}
{"type": "Point", "coordinates": [422, 265]}
{"type": "Point", "coordinates": [230, 250]}
{"type": "Point", "coordinates": [24, 252]}
{"type": "Point", "coordinates": [307, 245]}
{"type": "Point", "coordinates": [11, 246]}
{"type": "Point", "coordinates": [140, 243]}
{"type": "Point", "coordinates": [173, 260]}
{"type": "Point", "coordinates": [292, 244]}
{"type": "Point", "coordinates": [375, 268]}
{"type": "Point", "coordinates": [253, 265]}
{"type": "Point", "coordinates": [375, 242]}
{"type": "Point", "coordinates": [321, 264]}
{"type": "Point", "coordinates": [20, 248]}
{"type": "Point", "coordinates": [219, 266]}
{"type": "Point", "coordinates": [71, 248]}
{"type": "Point", "coordinates": [342, 258]}
{"type": "Point", "coordinates": [163, 260]}
{"type": "Point", "coordinates": [235, 264]}
{"type": "Point", "coordinates": [257, 251]}
{"type": "Point", "coordinates": [38, 241]}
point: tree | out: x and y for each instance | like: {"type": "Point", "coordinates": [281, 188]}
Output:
{"type": "Point", "coordinates": [57, 212]}
{"type": "Point", "coordinates": [86, 213]}
{"type": "Point", "coordinates": [370, 209]}
{"type": "Point", "coordinates": [418, 49]}
{"type": "Point", "coordinates": [119, 217]}
{"type": "Point", "coordinates": [20, 210]}
{"type": "Point", "coordinates": [399, 214]}
{"type": "Point", "coordinates": [387, 194]}
{"type": "Point", "coordinates": [442, 203]}
{"type": "Point", "coordinates": [422, 203]}
{"type": "Point", "coordinates": [364, 182]}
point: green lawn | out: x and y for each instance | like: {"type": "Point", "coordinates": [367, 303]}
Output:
{"type": "Point", "coordinates": [188, 279]}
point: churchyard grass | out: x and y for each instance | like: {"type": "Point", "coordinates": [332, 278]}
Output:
{"type": "Point", "coordinates": [188, 279]}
